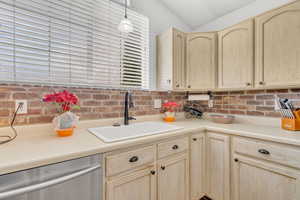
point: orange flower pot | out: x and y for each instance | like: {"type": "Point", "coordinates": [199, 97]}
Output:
{"type": "Point", "coordinates": [65, 132]}
{"type": "Point", "coordinates": [169, 117]}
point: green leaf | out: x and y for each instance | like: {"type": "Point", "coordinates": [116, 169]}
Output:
{"type": "Point", "coordinates": [76, 107]}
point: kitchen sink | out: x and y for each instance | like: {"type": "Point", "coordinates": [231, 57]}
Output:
{"type": "Point", "coordinates": [135, 130]}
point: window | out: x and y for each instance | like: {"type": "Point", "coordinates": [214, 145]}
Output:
{"type": "Point", "coordinates": [72, 42]}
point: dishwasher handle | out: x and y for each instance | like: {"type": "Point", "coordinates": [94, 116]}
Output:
{"type": "Point", "coordinates": [39, 186]}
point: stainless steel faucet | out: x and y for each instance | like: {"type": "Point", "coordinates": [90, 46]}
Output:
{"type": "Point", "coordinates": [128, 104]}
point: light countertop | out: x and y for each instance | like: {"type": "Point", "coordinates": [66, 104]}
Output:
{"type": "Point", "coordinates": [38, 145]}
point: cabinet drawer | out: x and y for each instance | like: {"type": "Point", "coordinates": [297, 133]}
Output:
{"type": "Point", "coordinates": [128, 160]}
{"type": "Point", "coordinates": [172, 147]}
{"type": "Point", "coordinates": [279, 153]}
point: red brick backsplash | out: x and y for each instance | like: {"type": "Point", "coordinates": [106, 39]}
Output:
{"type": "Point", "coordinates": [101, 103]}
{"type": "Point", "coordinates": [94, 103]}
{"type": "Point", "coordinates": [252, 102]}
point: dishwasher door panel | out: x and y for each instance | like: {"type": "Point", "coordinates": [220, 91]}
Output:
{"type": "Point", "coordinates": [78, 179]}
{"type": "Point", "coordinates": [85, 187]}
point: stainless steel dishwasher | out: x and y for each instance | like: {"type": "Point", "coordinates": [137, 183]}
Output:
{"type": "Point", "coordinates": [78, 179]}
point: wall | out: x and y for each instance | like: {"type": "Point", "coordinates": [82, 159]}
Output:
{"type": "Point", "coordinates": [252, 102]}
{"type": "Point", "coordinates": [251, 10]}
{"type": "Point", "coordinates": [99, 103]}
{"type": "Point", "coordinates": [94, 103]}
{"type": "Point", "coordinates": [161, 18]}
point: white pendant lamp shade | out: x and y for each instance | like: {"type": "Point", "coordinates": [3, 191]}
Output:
{"type": "Point", "coordinates": [126, 25]}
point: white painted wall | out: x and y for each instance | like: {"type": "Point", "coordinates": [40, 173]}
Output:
{"type": "Point", "coordinates": [251, 10]}
{"type": "Point", "coordinates": [161, 18]}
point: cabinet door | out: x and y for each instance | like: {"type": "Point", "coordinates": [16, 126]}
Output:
{"type": "Point", "coordinates": [173, 181]}
{"type": "Point", "coordinates": [236, 56]}
{"type": "Point", "coordinates": [197, 166]}
{"type": "Point", "coordinates": [179, 69]}
{"type": "Point", "coordinates": [278, 47]}
{"type": "Point", "coordinates": [201, 61]}
{"type": "Point", "coordinates": [138, 185]}
{"type": "Point", "coordinates": [164, 44]}
{"type": "Point", "coordinates": [218, 166]}
{"type": "Point", "coordinates": [255, 179]}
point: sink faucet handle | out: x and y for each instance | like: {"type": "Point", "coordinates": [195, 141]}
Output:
{"type": "Point", "coordinates": [131, 118]}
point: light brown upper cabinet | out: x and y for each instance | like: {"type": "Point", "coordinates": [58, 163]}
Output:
{"type": "Point", "coordinates": [201, 61]}
{"type": "Point", "coordinates": [236, 56]}
{"type": "Point", "coordinates": [171, 71]}
{"type": "Point", "coordinates": [278, 47]}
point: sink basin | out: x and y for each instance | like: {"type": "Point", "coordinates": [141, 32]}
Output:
{"type": "Point", "coordinates": [119, 133]}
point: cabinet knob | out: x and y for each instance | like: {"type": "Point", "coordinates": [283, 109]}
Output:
{"type": "Point", "coordinates": [133, 159]}
{"type": "Point", "coordinates": [177, 85]}
{"type": "Point", "coordinates": [175, 147]}
{"type": "Point", "coordinates": [261, 83]}
{"type": "Point", "coordinates": [236, 160]}
{"type": "Point", "coordinates": [264, 151]}
{"type": "Point", "coordinates": [194, 139]}
{"type": "Point", "coordinates": [152, 172]}
{"type": "Point", "coordinates": [248, 84]}
{"type": "Point", "coordinates": [189, 86]}
{"type": "Point", "coordinates": [163, 167]}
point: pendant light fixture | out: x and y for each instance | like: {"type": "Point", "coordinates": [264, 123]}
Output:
{"type": "Point", "coordinates": [125, 26]}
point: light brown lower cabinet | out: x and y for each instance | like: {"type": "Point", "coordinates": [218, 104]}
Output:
{"type": "Point", "coordinates": [159, 171]}
{"type": "Point", "coordinates": [197, 166]}
{"type": "Point", "coordinates": [254, 179]}
{"type": "Point", "coordinates": [138, 185]}
{"type": "Point", "coordinates": [173, 178]}
{"type": "Point", "coordinates": [218, 166]}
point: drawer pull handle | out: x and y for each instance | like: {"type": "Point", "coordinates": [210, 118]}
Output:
{"type": "Point", "coordinates": [263, 151]}
{"type": "Point", "coordinates": [152, 172]}
{"type": "Point", "coordinates": [195, 139]}
{"type": "Point", "coordinates": [134, 159]}
{"type": "Point", "coordinates": [175, 147]}
{"type": "Point", "coordinates": [236, 160]}
{"type": "Point", "coordinates": [163, 167]}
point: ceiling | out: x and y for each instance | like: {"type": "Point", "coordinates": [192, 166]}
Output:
{"type": "Point", "coordinates": [198, 12]}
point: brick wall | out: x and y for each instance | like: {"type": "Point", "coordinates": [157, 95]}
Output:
{"type": "Point", "coordinates": [94, 103]}
{"type": "Point", "coordinates": [100, 103]}
{"type": "Point", "coordinates": [252, 102]}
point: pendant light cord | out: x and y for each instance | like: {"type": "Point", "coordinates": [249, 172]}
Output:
{"type": "Point", "coordinates": [11, 138]}
{"type": "Point", "coordinates": [125, 9]}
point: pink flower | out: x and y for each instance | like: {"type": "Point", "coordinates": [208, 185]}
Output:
{"type": "Point", "coordinates": [65, 99]}
{"type": "Point", "coordinates": [170, 106]}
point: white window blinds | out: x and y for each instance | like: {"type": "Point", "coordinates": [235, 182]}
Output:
{"type": "Point", "coordinates": [72, 42]}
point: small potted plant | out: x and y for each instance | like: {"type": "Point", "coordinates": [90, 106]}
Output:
{"type": "Point", "coordinates": [169, 111]}
{"type": "Point", "coordinates": [66, 121]}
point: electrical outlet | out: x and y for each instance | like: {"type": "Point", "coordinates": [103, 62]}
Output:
{"type": "Point", "coordinates": [23, 108]}
{"type": "Point", "coordinates": [157, 103]}
{"type": "Point", "coordinates": [210, 103]}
